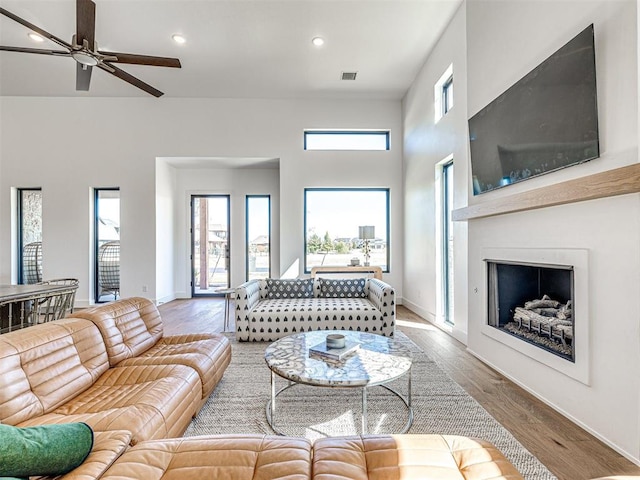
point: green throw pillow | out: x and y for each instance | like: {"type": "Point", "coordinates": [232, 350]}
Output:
{"type": "Point", "coordinates": [43, 450]}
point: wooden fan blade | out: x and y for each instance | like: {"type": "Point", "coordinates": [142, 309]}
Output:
{"type": "Point", "coordinates": [86, 22]}
{"type": "Point", "coordinates": [134, 59]}
{"type": "Point", "coordinates": [58, 53]}
{"type": "Point", "coordinates": [38, 30]}
{"type": "Point", "coordinates": [136, 82]}
{"type": "Point", "coordinates": [83, 77]}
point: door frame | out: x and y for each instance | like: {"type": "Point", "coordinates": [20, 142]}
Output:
{"type": "Point", "coordinates": [191, 237]}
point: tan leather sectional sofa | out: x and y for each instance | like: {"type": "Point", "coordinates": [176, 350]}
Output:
{"type": "Point", "coordinates": [111, 367]}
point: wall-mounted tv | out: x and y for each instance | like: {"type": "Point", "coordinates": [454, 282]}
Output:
{"type": "Point", "coordinates": [546, 121]}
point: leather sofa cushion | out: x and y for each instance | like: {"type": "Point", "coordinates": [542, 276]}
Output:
{"type": "Point", "coordinates": [154, 401]}
{"type": "Point", "coordinates": [208, 354]}
{"type": "Point", "coordinates": [107, 447]}
{"type": "Point", "coordinates": [45, 366]}
{"type": "Point", "coordinates": [129, 326]}
{"type": "Point", "coordinates": [133, 333]}
{"type": "Point", "coordinates": [408, 457]}
{"type": "Point", "coordinates": [232, 457]}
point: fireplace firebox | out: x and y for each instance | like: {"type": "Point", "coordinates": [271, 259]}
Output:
{"type": "Point", "coordinates": [533, 302]}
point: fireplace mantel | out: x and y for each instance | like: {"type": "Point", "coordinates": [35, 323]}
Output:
{"type": "Point", "coordinates": [619, 181]}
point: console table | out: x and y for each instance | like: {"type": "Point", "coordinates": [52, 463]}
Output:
{"type": "Point", "coordinates": [375, 272]}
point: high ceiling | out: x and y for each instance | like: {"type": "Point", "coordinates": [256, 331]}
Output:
{"type": "Point", "coordinates": [234, 48]}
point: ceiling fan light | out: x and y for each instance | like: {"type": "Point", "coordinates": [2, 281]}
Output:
{"type": "Point", "coordinates": [84, 59]}
{"type": "Point", "coordinates": [178, 38]}
{"type": "Point", "coordinates": [35, 37]}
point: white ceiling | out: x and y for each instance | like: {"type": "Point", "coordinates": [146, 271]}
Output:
{"type": "Point", "coordinates": [235, 48]}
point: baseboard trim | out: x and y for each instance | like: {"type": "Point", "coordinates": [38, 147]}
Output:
{"type": "Point", "coordinates": [431, 318]}
{"type": "Point", "coordinates": [165, 299]}
{"type": "Point", "coordinates": [581, 424]}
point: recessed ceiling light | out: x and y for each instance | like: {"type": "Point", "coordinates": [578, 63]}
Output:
{"type": "Point", "coordinates": [179, 38]}
{"type": "Point", "coordinates": [317, 41]}
{"type": "Point", "coordinates": [35, 37]}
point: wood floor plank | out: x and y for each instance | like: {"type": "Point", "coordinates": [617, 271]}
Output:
{"type": "Point", "coordinates": [567, 450]}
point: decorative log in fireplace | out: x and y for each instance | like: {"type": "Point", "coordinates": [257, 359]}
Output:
{"type": "Point", "coordinates": [552, 321]}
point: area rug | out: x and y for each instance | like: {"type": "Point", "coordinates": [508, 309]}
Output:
{"type": "Point", "coordinates": [440, 406]}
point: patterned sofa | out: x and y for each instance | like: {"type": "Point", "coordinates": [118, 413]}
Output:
{"type": "Point", "coordinates": [270, 309]}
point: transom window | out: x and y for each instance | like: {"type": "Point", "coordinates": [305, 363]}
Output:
{"type": "Point", "coordinates": [443, 94]}
{"type": "Point", "coordinates": [332, 221]}
{"type": "Point", "coordinates": [346, 140]}
{"type": "Point", "coordinates": [447, 95]}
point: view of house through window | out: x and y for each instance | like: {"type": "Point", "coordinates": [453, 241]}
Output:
{"type": "Point", "coordinates": [29, 235]}
{"type": "Point", "coordinates": [107, 244]}
{"type": "Point", "coordinates": [209, 243]}
{"type": "Point", "coordinates": [258, 241]}
{"type": "Point", "coordinates": [333, 218]}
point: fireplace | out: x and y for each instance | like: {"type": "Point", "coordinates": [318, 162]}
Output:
{"type": "Point", "coordinates": [534, 303]}
{"type": "Point", "coordinates": [562, 274]}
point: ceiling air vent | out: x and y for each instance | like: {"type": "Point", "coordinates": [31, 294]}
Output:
{"type": "Point", "coordinates": [349, 75]}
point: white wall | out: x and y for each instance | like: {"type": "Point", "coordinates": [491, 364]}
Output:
{"type": "Point", "coordinates": [68, 145]}
{"type": "Point", "coordinates": [166, 199]}
{"type": "Point", "coordinates": [427, 143]}
{"type": "Point", "coordinates": [237, 183]}
{"type": "Point", "coordinates": [505, 40]}
{"type": "Point", "coordinates": [492, 44]}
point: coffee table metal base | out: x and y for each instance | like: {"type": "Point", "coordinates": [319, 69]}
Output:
{"type": "Point", "coordinates": [271, 404]}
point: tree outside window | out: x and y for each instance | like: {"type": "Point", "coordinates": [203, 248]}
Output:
{"type": "Point", "coordinates": [332, 218]}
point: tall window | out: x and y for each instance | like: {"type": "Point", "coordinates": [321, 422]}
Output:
{"type": "Point", "coordinates": [447, 240]}
{"type": "Point", "coordinates": [332, 222]}
{"type": "Point", "coordinates": [107, 244]}
{"type": "Point", "coordinates": [29, 235]}
{"type": "Point", "coordinates": [258, 241]}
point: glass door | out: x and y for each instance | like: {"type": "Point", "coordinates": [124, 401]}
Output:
{"type": "Point", "coordinates": [209, 243]}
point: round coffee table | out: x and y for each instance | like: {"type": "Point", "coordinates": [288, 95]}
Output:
{"type": "Point", "coordinates": [378, 361]}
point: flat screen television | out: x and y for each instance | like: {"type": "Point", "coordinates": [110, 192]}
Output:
{"type": "Point", "coordinates": [548, 120]}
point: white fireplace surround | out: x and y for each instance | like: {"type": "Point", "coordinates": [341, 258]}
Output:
{"type": "Point", "coordinates": [579, 260]}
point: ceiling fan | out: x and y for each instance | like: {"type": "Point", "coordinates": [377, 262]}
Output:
{"type": "Point", "coordinates": [84, 50]}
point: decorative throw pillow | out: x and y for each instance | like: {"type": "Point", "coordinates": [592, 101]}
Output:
{"type": "Point", "coordinates": [43, 450]}
{"type": "Point", "coordinates": [293, 288]}
{"type": "Point", "coordinates": [346, 288]}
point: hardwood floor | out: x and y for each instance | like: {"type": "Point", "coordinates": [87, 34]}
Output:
{"type": "Point", "coordinates": [567, 450]}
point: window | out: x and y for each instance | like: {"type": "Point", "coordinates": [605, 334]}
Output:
{"type": "Point", "coordinates": [332, 222]}
{"type": "Point", "coordinates": [29, 235]}
{"type": "Point", "coordinates": [443, 94]}
{"type": "Point", "coordinates": [447, 241]}
{"type": "Point", "coordinates": [346, 140]}
{"type": "Point", "coordinates": [107, 244]}
{"type": "Point", "coordinates": [258, 241]}
{"type": "Point", "coordinates": [447, 95]}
